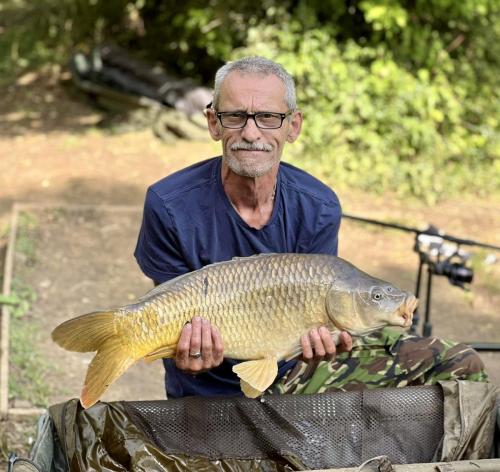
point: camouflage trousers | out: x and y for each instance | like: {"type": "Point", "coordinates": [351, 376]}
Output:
{"type": "Point", "coordinates": [386, 358]}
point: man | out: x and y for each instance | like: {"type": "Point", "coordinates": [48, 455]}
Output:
{"type": "Point", "coordinates": [243, 203]}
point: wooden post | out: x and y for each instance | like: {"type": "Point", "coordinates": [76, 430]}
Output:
{"type": "Point", "coordinates": [5, 316]}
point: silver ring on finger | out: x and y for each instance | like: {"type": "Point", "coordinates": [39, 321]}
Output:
{"type": "Point", "coordinates": [195, 355]}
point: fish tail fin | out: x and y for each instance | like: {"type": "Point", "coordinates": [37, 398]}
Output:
{"type": "Point", "coordinates": [85, 333]}
{"type": "Point", "coordinates": [112, 359]}
{"type": "Point", "coordinates": [96, 332]}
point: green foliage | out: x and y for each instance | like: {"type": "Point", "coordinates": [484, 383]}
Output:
{"type": "Point", "coordinates": [397, 95]}
{"type": "Point", "coordinates": [376, 122]}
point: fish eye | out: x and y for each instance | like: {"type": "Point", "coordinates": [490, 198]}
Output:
{"type": "Point", "coordinates": [376, 295]}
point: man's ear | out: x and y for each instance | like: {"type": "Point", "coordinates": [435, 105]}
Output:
{"type": "Point", "coordinates": [295, 126]}
{"type": "Point", "coordinates": [213, 125]}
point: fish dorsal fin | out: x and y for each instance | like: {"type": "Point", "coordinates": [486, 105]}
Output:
{"type": "Point", "coordinates": [255, 256]}
{"type": "Point", "coordinates": [257, 375]}
{"type": "Point", "coordinates": [160, 353]}
{"type": "Point", "coordinates": [162, 287]}
{"type": "Point", "coordinates": [153, 291]}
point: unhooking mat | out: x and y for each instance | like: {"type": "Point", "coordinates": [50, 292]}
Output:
{"type": "Point", "coordinates": [423, 424]}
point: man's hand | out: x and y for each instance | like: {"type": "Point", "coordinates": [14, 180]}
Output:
{"type": "Point", "coordinates": [199, 348]}
{"type": "Point", "coordinates": [318, 344]}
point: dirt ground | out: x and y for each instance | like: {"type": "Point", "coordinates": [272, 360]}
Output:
{"type": "Point", "coordinates": [106, 281]}
{"type": "Point", "coordinates": [52, 152]}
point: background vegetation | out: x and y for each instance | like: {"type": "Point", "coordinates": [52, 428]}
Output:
{"type": "Point", "coordinates": [398, 95]}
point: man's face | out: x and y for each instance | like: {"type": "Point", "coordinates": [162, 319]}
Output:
{"type": "Point", "coordinates": [252, 151]}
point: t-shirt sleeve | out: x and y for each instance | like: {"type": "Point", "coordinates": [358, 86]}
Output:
{"type": "Point", "coordinates": [326, 234]}
{"type": "Point", "coordinates": [159, 251]}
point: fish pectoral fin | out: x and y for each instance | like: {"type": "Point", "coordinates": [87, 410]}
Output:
{"type": "Point", "coordinates": [109, 363]}
{"type": "Point", "coordinates": [164, 351]}
{"type": "Point", "coordinates": [335, 336]}
{"type": "Point", "coordinates": [296, 351]}
{"type": "Point", "coordinates": [256, 376]}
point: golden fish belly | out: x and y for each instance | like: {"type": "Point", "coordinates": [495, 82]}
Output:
{"type": "Point", "coordinates": [261, 305]}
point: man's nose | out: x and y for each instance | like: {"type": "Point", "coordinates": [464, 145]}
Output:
{"type": "Point", "coordinates": [251, 131]}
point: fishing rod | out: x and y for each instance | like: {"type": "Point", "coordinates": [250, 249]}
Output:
{"type": "Point", "coordinates": [440, 258]}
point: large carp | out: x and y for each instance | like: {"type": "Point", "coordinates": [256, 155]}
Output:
{"type": "Point", "coordinates": [261, 304]}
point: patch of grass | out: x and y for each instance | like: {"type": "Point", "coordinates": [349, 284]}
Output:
{"type": "Point", "coordinates": [22, 296]}
{"type": "Point", "coordinates": [25, 246]}
{"type": "Point", "coordinates": [26, 381]}
{"type": "Point", "coordinates": [27, 366]}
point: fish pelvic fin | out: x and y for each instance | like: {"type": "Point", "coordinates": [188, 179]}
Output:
{"type": "Point", "coordinates": [164, 351]}
{"type": "Point", "coordinates": [112, 359]}
{"type": "Point", "coordinates": [85, 333]}
{"type": "Point", "coordinates": [249, 391]}
{"type": "Point", "coordinates": [257, 375]}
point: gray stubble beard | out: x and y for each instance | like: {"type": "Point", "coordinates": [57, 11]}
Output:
{"type": "Point", "coordinates": [251, 171]}
{"type": "Point", "coordinates": [245, 170]}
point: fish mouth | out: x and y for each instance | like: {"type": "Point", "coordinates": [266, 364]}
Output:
{"type": "Point", "coordinates": [406, 310]}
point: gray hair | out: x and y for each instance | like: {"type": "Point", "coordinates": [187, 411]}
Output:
{"type": "Point", "coordinates": [256, 65]}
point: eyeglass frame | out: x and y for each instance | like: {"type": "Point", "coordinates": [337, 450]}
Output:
{"type": "Point", "coordinates": [253, 116]}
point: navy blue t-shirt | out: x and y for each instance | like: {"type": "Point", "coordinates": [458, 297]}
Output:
{"type": "Point", "coordinates": [189, 222]}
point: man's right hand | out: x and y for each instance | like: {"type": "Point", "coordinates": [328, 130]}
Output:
{"type": "Point", "coordinates": [199, 348]}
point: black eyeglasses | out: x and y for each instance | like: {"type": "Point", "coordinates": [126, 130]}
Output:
{"type": "Point", "coordinates": [262, 119]}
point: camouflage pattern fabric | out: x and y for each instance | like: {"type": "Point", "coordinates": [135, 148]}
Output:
{"type": "Point", "coordinates": [386, 358]}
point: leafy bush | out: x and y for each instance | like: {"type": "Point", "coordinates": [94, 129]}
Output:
{"type": "Point", "coordinates": [376, 123]}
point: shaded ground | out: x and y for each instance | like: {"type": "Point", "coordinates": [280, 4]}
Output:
{"type": "Point", "coordinates": [51, 151]}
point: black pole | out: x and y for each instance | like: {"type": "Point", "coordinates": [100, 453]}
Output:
{"type": "Point", "coordinates": [430, 232]}
{"type": "Point", "coordinates": [485, 346]}
{"type": "Point", "coordinates": [427, 329]}
{"type": "Point", "coordinates": [416, 317]}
